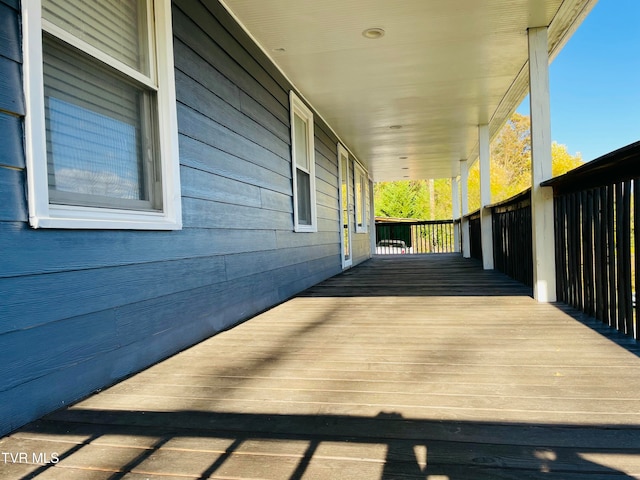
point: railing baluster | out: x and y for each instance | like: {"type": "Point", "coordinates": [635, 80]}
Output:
{"type": "Point", "coordinates": [558, 213]}
{"type": "Point", "coordinates": [587, 248]}
{"type": "Point", "coordinates": [626, 257]}
{"type": "Point", "coordinates": [580, 251]}
{"type": "Point", "coordinates": [597, 260]}
{"type": "Point", "coordinates": [512, 248]}
{"type": "Point", "coordinates": [611, 245]}
{"type": "Point", "coordinates": [619, 246]}
{"type": "Point", "coordinates": [571, 288]}
{"type": "Point", "coordinates": [636, 254]}
{"type": "Point", "coordinates": [431, 236]}
{"type": "Point", "coordinates": [574, 251]}
{"type": "Point", "coordinates": [603, 275]}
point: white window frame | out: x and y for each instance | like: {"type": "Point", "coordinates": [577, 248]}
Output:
{"type": "Point", "coordinates": [42, 213]}
{"type": "Point", "coordinates": [345, 205]}
{"type": "Point", "coordinates": [361, 201]}
{"type": "Point", "coordinates": [297, 107]}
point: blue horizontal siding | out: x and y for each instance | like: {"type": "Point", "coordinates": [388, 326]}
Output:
{"type": "Point", "coordinates": [289, 239]}
{"type": "Point", "coordinates": [246, 264]}
{"type": "Point", "coordinates": [83, 363]}
{"type": "Point", "coordinates": [13, 202]}
{"type": "Point", "coordinates": [10, 47]}
{"type": "Point", "coordinates": [12, 151]}
{"type": "Point", "coordinates": [201, 156]}
{"type": "Point", "coordinates": [270, 200]}
{"type": "Point", "coordinates": [264, 117]}
{"type": "Point", "coordinates": [92, 306]}
{"type": "Point", "coordinates": [188, 61]}
{"type": "Point", "coordinates": [38, 299]}
{"type": "Point", "coordinates": [37, 397]}
{"type": "Point", "coordinates": [98, 336]}
{"type": "Point", "coordinates": [201, 100]}
{"type": "Point", "coordinates": [202, 128]}
{"type": "Point", "coordinates": [208, 186]}
{"type": "Point", "coordinates": [205, 45]}
{"type": "Point", "coordinates": [96, 249]}
{"type": "Point", "coordinates": [208, 214]}
{"type": "Point", "coordinates": [326, 224]}
{"type": "Point", "coordinates": [11, 99]}
{"type": "Point", "coordinates": [15, 4]}
{"type": "Point", "coordinates": [202, 16]}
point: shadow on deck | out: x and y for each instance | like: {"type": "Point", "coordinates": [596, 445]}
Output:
{"type": "Point", "coordinates": [362, 377]}
{"type": "Point", "coordinates": [441, 274]}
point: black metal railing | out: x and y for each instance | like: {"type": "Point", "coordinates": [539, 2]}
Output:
{"type": "Point", "coordinates": [512, 249]}
{"type": "Point", "coordinates": [596, 210]}
{"type": "Point", "coordinates": [415, 237]}
{"type": "Point", "coordinates": [475, 235]}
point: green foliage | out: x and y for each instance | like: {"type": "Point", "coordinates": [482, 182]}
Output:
{"type": "Point", "coordinates": [510, 175]}
{"type": "Point", "coordinates": [410, 199]}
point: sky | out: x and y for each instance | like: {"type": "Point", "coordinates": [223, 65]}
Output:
{"type": "Point", "coordinates": [594, 82]}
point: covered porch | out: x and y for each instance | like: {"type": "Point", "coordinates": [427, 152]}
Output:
{"type": "Point", "coordinates": [425, 367]}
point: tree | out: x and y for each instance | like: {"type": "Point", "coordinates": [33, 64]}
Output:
{"type": "Point", "coordinates": [411, 199]}
{"type": "Point", "coordinates": [510, 175]}
{"type": "Point", "coordinates": [563, 161]}
{"type": "Point", "coordinates": [404, 199]}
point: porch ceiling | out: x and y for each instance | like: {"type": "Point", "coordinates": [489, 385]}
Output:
{"type": "Point", "coordinates": [441, 68]}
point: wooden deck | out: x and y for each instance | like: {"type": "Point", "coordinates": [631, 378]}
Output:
{"type": "Point", "coordinates": [402, 368]}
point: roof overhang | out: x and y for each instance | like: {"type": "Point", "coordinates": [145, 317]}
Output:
{"type": "Point", "coordinates": [408, 104]}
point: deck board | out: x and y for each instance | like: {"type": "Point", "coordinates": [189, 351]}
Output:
{"type": "Point", "coordinates": [421, 367]}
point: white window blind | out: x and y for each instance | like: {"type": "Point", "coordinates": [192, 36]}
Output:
{"type": "Point", "coordinates": [98, 131]}
{"type": "Point", "coordinates": [116, 27]}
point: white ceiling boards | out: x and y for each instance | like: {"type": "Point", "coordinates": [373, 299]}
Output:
{"type": "Point", "coordinates": [433, 71]}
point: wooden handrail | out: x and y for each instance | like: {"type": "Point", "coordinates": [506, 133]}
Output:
{"type": "Point", "coordinates": [620, 165]}
{"type": "Point", "coordinates": [516, 202]}
{"type": "Point", "coordinates": [472, 215]}
{"type": "Point", "coordinates": [414, 222]}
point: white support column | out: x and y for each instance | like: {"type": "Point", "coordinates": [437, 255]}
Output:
{"type": "Point", "coordinates": [455, 213]}
{"type": "Point", "coordinates": [544, 264]}
{"type": "Point", "coordinates": [464, 197]}
{"type": "Point", "coordinates": [486, 225]}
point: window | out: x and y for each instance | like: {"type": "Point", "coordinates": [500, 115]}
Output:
{"type": "Point", "coordinates": [303, 167]}
{"type": "Point", "coordinates": [362, 199]}
{"type": "Point", "coordinates": [101, 129]}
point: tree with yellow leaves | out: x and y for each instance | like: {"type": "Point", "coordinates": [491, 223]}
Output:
{"type": "Point", "coordinates": [511, 162]}
{"type": "Point", "coordinates": [510, 175]}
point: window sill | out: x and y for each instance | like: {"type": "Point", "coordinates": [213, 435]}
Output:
{"type": "Point", "coordinates": [305, 229]}
{"type": "Point", "coordinates": [104, 219]}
